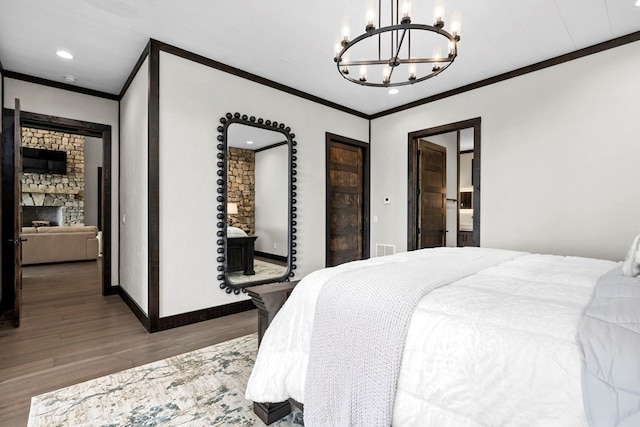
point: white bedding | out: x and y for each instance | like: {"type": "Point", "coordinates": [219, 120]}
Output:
{"type": "Point", "coordinates": [495, 348]}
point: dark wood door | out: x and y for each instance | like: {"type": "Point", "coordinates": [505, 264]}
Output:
{"type": "Point", "coordinates": [432, 194]}
{"type": "Point", "coordinates": [345, 203]}
{"type": "Point", "coordinates": [11, 216]}
{"type": "Point", "coordinates": [17, 206]}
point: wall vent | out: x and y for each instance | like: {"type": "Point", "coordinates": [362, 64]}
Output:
{"type": "Point", "coordinates": [384, 250]}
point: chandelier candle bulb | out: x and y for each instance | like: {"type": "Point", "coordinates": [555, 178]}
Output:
{"type": "Point", "coordinates": [386, 73]}
{"type": "Point", "coordinates": [438, 14]}
{"type": "Point", "coordinates": [456, 25]}
{"type": "Point", "coordinates": [345, 31]}
{"type": "Point", "coordinates": [345, 69]}
{"type": "Point", "coordinates": [370, 8]}
{"type": "Point", "coordinates": [412, 72]}
{"type": "Point", "coordinates": [437, 55]}
{"type": "Point", "coordinates": [406, 12]}
{"type": "Point", "coordinates": [363, 73]}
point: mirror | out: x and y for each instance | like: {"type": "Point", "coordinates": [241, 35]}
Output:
{"type": "Point", "coordinates": [466, 184]}
{"type": "Point", "coordinates": [466, 199]}
{"type": "Point", "coordinates": [256, 196]}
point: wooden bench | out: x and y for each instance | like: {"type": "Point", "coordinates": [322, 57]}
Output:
{"type": "Point", "coordinates": [269, 299]}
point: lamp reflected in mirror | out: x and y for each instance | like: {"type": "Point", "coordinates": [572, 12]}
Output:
{"type": "Point", "coordinates": [232, 209]}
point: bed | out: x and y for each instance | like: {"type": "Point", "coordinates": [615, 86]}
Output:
{"type": "Point", "coordinates": [491, 342]}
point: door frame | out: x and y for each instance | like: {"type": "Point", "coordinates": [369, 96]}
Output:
{"type": "Point", "coordinates": [366, 183]}
{"type": "Point", "coordinates": [412, 178]}
{"type": "Point", "coordinates": [96, 130]}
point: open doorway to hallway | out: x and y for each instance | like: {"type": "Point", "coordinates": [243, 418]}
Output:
{"type": "Point", "coordinates": [444, 186]}
{"type": "Point", "coordinates": [61, 199]}
{"type": "Point", "coordinates": [56, 191]}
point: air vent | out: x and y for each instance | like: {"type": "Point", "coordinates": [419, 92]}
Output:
{"type": "Point", "coordinates": [384, 250]}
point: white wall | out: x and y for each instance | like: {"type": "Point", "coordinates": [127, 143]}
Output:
{"type": "Point", "coordinates": [272, 200]}
{"type": "Point", "coordinates": [92, 161]}
{"type": "Point", "coordinates": [192, 99]}
{"type": "Point", "coordinates": [134, 219]}
{"type": "Point", "coordinates": [36, 98]}
{"type": "Point", "coordinates": [560, 150]}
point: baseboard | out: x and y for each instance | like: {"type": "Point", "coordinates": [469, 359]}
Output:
{"type": "Point", "coordinates": [135, 308]}
{"type": "Point", "coordinates": [204, 314]}
{"type": "Point", "coordinates": [271, 256]}
{"type": "Point", "coordinates": [112, 290]}
{"type": "Point", "coordinates": [184, 319]}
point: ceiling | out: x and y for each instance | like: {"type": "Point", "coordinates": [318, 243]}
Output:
{"type": "Point", "coordinates": [292, 41]}
{"type": "Point", "coordinates": [252, 138]}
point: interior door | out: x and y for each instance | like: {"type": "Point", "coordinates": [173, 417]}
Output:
{"type": "Point", "coordinates": [17, 205]}
{"type": "Point", "coordinates": [345, 203]}
{"type": "Point", "coordinates": [432, 194]}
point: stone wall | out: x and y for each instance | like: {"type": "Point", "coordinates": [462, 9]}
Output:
{"type": "Point", "coordinates": [241, 189]}
{"type": "Point", "coordinates": [66, 191]}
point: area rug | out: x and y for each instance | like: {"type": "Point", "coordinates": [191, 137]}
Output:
{"type": "Point", "coordinates": [200, 388]}
{"type": "Point", "coordinates": [263, 269]}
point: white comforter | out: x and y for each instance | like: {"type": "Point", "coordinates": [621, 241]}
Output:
{"type": "Point", "coordinates": [495, 348]}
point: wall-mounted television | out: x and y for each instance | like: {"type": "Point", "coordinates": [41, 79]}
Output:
{"type": "Point", "coordinates": [37, 160]}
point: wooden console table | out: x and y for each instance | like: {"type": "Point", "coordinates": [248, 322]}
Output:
{"type": "Point", "coordinates": [269, 298]}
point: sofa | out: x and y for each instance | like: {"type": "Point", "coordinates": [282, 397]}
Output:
{"type": "Point", "coordinates": [59, 244]}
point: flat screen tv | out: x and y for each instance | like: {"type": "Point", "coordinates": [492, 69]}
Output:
{"type": "Point", "coordinates": [37, 160]}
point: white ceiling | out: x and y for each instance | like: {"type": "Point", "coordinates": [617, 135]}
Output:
{"type": "Point", "coordinates": [292, 41]}
{"type": "Point", "coordinates": [238, 136]}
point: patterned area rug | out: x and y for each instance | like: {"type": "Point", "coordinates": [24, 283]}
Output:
{"type": "Point", "coordinates": [203, 387]}
{"type": "Point", "coordinates": [264, 270]}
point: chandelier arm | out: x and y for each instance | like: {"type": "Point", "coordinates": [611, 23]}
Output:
{"type": "Point", "coordinates": [379, 26]}
{"type": "Point", "coordinates": [404, 33]}
{"type": "Point", "coordinates": [395, 58]}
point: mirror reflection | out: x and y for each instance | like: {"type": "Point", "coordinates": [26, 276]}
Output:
{"type": "Point", "coordinates": [466, 185]}
{"type": "Point", "coordinates": [257, 205]}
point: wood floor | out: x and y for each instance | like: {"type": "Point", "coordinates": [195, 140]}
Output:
{"type": "Point", "coordinates": [69, 333]}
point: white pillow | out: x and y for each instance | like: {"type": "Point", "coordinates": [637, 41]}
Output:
{"type": "Point", "coordinates": [235, 232]}
{"type": "Point", "coordinates": [631, 264]}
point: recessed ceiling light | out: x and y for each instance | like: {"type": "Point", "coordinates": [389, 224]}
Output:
{"type": "Point", "coordinates": [393, 91]}
{"type": "Point", "coordinates": [249, 142]}
{"type": "Point", "coordinates": [64, 54]}
{"type": "Point", "coordinates": [69, 79]}
{"type": "Point", "coordinates": [638, 3]}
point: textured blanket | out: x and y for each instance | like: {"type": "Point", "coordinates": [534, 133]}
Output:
{"type": "Point", "coordinates": [609, 337]}
{"type": "Point", "coordinates": [359, 331]}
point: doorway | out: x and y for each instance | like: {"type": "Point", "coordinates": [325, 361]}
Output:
{"type": "Point", "coordinates": [347, 200]}
{"type": "Point", "coordinates": [457, 205]}
{"type": "Point", "coordinates": [90, 130]}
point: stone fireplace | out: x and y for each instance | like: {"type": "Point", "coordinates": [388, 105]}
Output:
{"type": "Point", "coordinates": [241, 188]}
{"type": "Point", "coordinates": [55, 198]}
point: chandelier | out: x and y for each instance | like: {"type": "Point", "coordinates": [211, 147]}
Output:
{"type": "Point", "coordinates": [400, 53]}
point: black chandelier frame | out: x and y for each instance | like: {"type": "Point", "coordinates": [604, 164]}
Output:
{"type": "Point", "coordinates": [403, 33]}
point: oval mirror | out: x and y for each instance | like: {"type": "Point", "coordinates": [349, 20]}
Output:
{"type": "Point", "coordinates": [256, 199]}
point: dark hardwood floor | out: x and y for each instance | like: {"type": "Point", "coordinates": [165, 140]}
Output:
{"type": "Point", "coordinates": [70, 333]}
